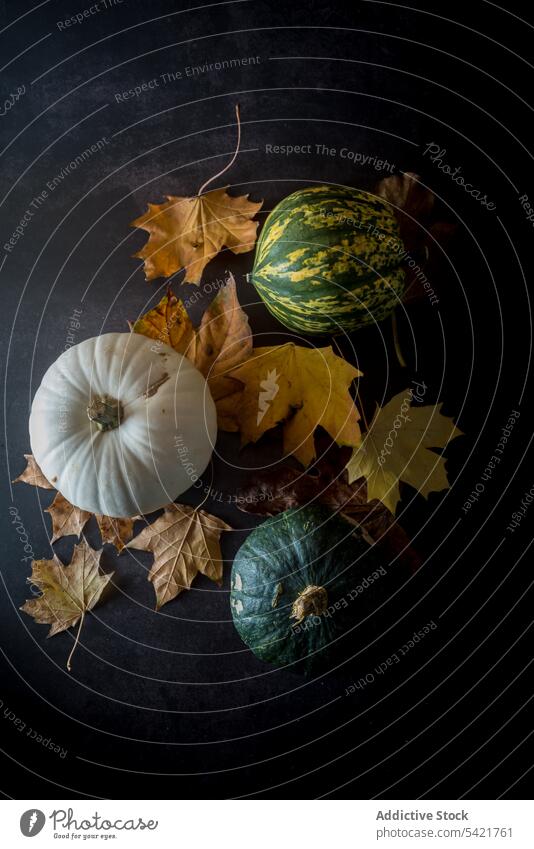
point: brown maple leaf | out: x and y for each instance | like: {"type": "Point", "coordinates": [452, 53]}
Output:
{"type": "Point", "coordinates": [188, 232]}
{"type": "Point", "coordinates": [424, 237]}
{"type": "Point", "coordinates": [33, 475]}
{"type": "Point", "coordinates": [67, 592]}
{"type": "Point", "coordinates": [168, 323]}
{"type": "Point", "coordinates": [222, 342]}
{"type": "Point", "coordinates": [276, 490]}
{"type": "Point", "coordinates": [67, 520]}
{"type": "Point", "coordinates": [117, 532]}
{"type": "Point", "coordinates": [184, 542]}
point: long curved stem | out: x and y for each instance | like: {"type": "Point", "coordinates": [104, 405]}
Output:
{"type": "Point", "coordinates": [234, 157]}
{"type": "Point", "coordinates": [76, 641]}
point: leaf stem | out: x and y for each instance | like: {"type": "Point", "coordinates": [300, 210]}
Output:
{"type": "Point", "coordinates": [69, 667]}
{"type": "Point", "coordinates": [234, 157]}
{"type": "Point", "coordinates": [396, 340]}
{"type": "Point", "coordinates": [208, 493]}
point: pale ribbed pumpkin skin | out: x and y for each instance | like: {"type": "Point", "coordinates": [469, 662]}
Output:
{"type": "Point", "coordinates": [328, 260]}
{"type": "Point", "coordinates": [163, 443]}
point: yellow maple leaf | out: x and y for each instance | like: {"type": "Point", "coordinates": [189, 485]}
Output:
{"type": "Point", "coordinates": [396, 447]}
{"type": "Point", "coordinates": [168, 323]}
{"type": "Point", "coordinates": [227, 407]}
{"type": "Point", "coordinates": [184, 541]}
{"type": "Point", "coordinates": [67, 592]}
{"type": "Point", "coordinates": [187, 232]}
{"type": "Point", "coordinates": [302, 387]}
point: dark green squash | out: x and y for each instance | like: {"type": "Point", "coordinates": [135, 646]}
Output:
{"type": "Point", "coordinates": [297, 585]}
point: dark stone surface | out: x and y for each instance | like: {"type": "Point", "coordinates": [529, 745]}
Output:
{"type": "Point", "coordinates": [173, 704]}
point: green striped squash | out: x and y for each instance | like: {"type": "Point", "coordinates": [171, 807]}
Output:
{"type": "Point", "coordinates": [328, 260]}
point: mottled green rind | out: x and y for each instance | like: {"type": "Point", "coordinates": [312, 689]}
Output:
{"type": "Point", "coordinates": [328, 260]}
{"type": "Point", "coordinates": [310, 546]}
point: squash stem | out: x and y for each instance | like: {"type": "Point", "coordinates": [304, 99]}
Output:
{"type": "Point", "coordinates": [105, 412]}
{"type": "Point", "coordinates": [311, 601]}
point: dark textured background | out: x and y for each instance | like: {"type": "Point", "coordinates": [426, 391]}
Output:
{"type": "Point", "coordinates": [172, 704]}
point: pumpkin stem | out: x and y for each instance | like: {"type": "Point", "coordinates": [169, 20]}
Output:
{"type": "Point", "coordinates": [105, 412]}
{"type": "Point", "coordinates": [312, 600]}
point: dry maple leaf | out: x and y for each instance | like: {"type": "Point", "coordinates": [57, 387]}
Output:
{"type": "Point", "coordinates": [408, 196]}
{"type": "Point", "coordinates": [396, 447]}
{"type": "Point", "coordinates": [67, 592]}
{"type": "Point", "coordinates": [168, 323]}
{"type": "Point", "coordinates": [33, 475]}
{"type": "Point", "coordinates": [272, 491]}
{"type": "Point", "coordinates": [302, 387]}
{"type": "Point", "coordinates": [227, 407]}
{"type": "Point", "coordinates": [187, 232]}
{"type": "Point", "coordinates": [67, 520]}
{"type": "Point", "coordinates": [184, 542]}
{"type": "Point", "coordinates": [275, 490]}
{"type": "Point", "coordinates": [117, 532]}
{"type": "Point", "coordinates": [413, 205]}
{"type": "Point", "coordinates": [222, 342]}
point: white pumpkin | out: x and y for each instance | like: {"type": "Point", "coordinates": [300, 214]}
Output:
{"type": "Point", "coordinates": [122, 424]}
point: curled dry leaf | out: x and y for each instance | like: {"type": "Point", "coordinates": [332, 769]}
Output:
{"type": "Point", "coordinates": [413, 205]}
{"type": "Point", "coordinates": [222, 342]}
{"type": "Point", "coordinates": [187, 232]}
{"type": "Point", "coordinates": [396, 447]}
{"type": "Point", "coordinates": [184, 542]}
{"type": "Point", "coordinates": [168, 323]}
{"type": "Point", "coordinates": [302, 387]}
{"type": "Point", "coordinates": [67, 520]}
{"type": "Point", "coordinates": [117, 532]}
{"type": "Point", "coordinates": [283, 488]}
{"type": "Point", "coordinates": [32, 474]}
{"type": "Point", "coordinates": [410, 200]}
